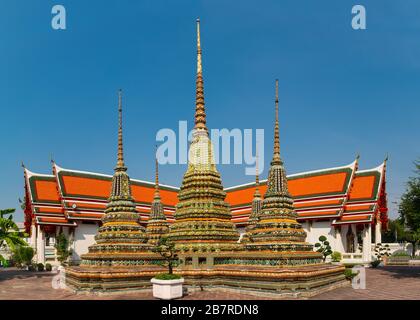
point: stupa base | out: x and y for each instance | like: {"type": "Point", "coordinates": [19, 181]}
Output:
{"type": "Point", "coordinates": [111, 279]}
{"type": "Point", "coordinates": [274, 281]}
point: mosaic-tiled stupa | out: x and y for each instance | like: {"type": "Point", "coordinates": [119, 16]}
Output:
{"type": "Point", "coordinates": [157, 225]}
{"type": "Point", "coordinates": [277, 228]}
{"type": "Point", "coordinates": [275, 257]}
{"type": "Point", "coordinates": [254, 217]}
{"type": "Point", "coordinates": [121, 258]}
{"type": "Point", "coordinates": [202, 217]}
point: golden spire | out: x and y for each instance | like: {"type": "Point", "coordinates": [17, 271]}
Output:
{"type": "Point", "coordinates": [257, 176]}
{"type": "Point", "coordinates": [120, 161]}
{"type": "Point", "coordinates": [276, 155]}
{"type": "Point", "coordinates": [200, 114]}
{"type": "Point", "coordinates": [157, 194]}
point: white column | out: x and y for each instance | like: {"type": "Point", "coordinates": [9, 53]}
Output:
{"type": "Point", "coordinates": [355, 239]}
{"type": "Point", "coordinates": [40, 246]}
{"type": "Point", "coordinates": [367, 243]}
{"type": "Point", "coordinates": [378, 234]}
{"type": "Point", "coordinates": [33, 236]}
{"type": "Point", "coordinates": [338, 240]}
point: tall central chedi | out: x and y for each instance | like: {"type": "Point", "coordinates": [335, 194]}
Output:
{"type": "Point", "coordinates": [202, 218]}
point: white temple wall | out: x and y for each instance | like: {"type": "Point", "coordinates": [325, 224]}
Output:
{"type": "Point", "coordinates": [84, 236]}
{"type": "Point", "coordinates": [320, 228]}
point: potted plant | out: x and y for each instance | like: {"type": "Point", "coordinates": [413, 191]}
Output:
{"type": "Point", "coordinates": [167, 285]}
{"type": "Point", "coordinates": [380, 252]}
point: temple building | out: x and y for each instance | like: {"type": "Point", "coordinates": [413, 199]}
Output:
{"type": "Point", "coordinates": [106, 216]}
{"type": "Point", "coordinates": [347, 205]}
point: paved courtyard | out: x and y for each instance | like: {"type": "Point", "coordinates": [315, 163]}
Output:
{"type": "Point", "coordinates": [395, 283]}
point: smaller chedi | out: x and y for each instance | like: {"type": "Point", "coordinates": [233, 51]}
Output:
{"type": "Point", "coordinates": [121, 258]}
{"type": "Point", "coordinates": [157, 225]}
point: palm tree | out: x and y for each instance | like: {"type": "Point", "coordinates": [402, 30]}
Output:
{"type": "Point", "coordinates": [10, 235]}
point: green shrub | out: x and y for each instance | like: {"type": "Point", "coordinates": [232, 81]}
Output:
{"type": "Point", "coordinates": [48, 267]}
{"type": "Point", "coordinates": [375, 263]}
{"type": "Point", "coordinates": [323, 247]}
{"type": "Point", "coordinates": [350, 274]}
{"type": "Point", "coordinates": [22, 256]}
{"type": "Point", "coordinates": [62, 245]}
{"type": "Point", "coordinates": [167, 276]}
{"type": "Point", "coordinates": [40, 267]}
{"type": "Point", "coordinates": [400, 254]}
{"type": "Point", "coordinates": [336, 256]}
{"type": "Point", "coordinates": [32, 267]}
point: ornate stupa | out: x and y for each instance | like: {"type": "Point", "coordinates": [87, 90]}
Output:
{"type": "Point", "coordinates": [275, 257]}
{"type": "Point", "coordinates": [121, 234]}
{"type": "Point", "coordinates": [121, 258]}
{"type": "Point", "coordinates": [277, 228]}
{"type": "Point", "coordinates": [202, 217]}
{"type": "Point", "coordinates": [157, 225]}
{"type": "Point", "coordinates": [254, 217]}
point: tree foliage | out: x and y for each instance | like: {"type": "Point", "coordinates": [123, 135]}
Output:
{"type": "Point", "coordinates": [323, 247]}
{"type": "Point", "coordinates": [62, 245]}
{"type": "Point", "coordinates": [10, 235]}
{"type": "Point", "coordinates": [166, 249]}
{"type": "Point", "coordinates": [22, 256]}
{"type": "Point", "coordinates": [409, 209]}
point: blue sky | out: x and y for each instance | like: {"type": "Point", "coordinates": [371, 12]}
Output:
{"type": "Point", "coordinates": [342, 91]}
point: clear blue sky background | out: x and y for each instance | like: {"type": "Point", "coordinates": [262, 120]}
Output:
{"type": "Point", "coordinates": [342, 91]}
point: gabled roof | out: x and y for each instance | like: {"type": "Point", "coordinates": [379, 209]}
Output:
{"type": "Point", "coordinates": [85, 194]}
{"type": "Point", "coordinates": [341, 193]}
{"type": "Point", "coordinates": [364, 198]}
{"type": "Point", "coordinates": [318, 194]}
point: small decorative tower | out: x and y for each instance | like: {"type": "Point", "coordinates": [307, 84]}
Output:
{"type": "Point", "coordinates": [157, 226]}
{"type": "Point", "coordinates": [257, 201]}
{"type": "Point", "coordinates": [202, 218]}
{"type": "Point", "coordinates": [277, 228]}
{"type": "Point", "coordinates": [121, 234]}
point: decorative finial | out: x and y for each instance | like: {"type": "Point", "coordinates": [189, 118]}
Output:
{"type": "Point", "coordinates": [257, 175]}
{"type": "Point", "coordinates": [200, 114]}
{"type": "Point", "coordinates": [120, 160]}
{"type": "Point", "coordinates": [276, 156]}
{"type": "Point", "coordinates": [22, 164]}
{"type": "Point", "coordinates": [51, 158]}
{"type": "Point", "coordinates": [386, 158]}
{"type": "Point", "coordinates": [358, 156]}
{"type": "Point", "coordinates": [199, 67]}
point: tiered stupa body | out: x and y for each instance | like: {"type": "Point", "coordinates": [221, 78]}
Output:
{"type": "Point", "coordinates": [157, 225]}
{"type": "Point", "coordinates": [202, 218]}
{"type": "Point", "coordinates": [121, 258]}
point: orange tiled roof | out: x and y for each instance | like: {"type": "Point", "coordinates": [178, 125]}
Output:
{"type": "Point", "coordinates": [335, 193]}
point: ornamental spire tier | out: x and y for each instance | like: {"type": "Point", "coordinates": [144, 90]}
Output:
{"type": "Point", "coordinates": [256, 201]}
{"type": "Point", "coordinates": [202, 217]}
{"type": "Point", "coordinates": [277, 228]}
{"type": "Point", "coordinates": [157, 225]}
{"type": "Point", "coordinates": [200, 112]}
{"type": "Point", "coordinates": [121, 234]}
